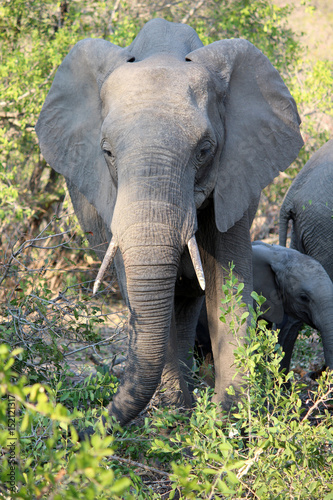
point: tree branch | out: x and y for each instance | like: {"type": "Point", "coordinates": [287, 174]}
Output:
{"type": "Point", "coordinates": [138, 464]}
{"type": "Point", "coordinates": [192, 11]}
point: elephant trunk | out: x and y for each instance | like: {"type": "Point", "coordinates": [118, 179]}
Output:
{"type": "Point", "coordinates": [324, 325]}
{"type": "Point", "coordinates": [150, 291]}
{"type": "Point", "coordinates": [151, 238]}
{"type": "Point", "coordinates": [153, 220]}
{"type": "Point", "coordinates": [285, 217]}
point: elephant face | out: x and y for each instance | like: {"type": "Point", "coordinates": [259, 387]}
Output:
{"type": "Point", "coordinates": [165, 92]}
{"type": "Point", "coordinates": [158, 141]}
{"type": "Point", "coordinates": [163, 113]}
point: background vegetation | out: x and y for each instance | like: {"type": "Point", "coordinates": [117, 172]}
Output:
{"type": "Point", "coordinates": [63, 351]}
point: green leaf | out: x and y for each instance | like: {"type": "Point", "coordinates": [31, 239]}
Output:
{"type": "Point", "coordinates": [25, 422]}
{"type": "Point", "coordinates": [121, 485]}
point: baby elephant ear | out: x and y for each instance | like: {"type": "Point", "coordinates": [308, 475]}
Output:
{"type": "Point", "coordinates": [267, 263]}
{"type": "Point", "coordinates": [69, 124]}
{"type": "Point", "coordinates": [261, 123]}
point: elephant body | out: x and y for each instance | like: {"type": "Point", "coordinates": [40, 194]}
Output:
{"type": "Point", "coordinates": [309, 205]}
{"type": "Point", "coordinates": [297, 290]}
{"type": "Point", "coordinates": [158, 142]}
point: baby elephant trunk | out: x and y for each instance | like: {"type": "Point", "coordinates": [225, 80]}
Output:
{"type": "Point", "coordinates": [325, 326]}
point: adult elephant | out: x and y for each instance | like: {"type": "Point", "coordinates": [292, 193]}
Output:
{"type": "Point", "coordinates": [158, 142]}
{"type": "Point", "coordinates": [309, 205]}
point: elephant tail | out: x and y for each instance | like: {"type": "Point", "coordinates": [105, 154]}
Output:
{"type": "Point", "coordinates": [285, 216]}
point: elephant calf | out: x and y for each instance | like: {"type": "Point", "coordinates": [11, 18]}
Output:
{"type": "Point", "coordinates": [309, 205]}
{"type": "Point", "coordinates": [297, 290]}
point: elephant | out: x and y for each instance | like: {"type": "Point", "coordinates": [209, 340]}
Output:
{"type": "Point", "coordinates": [165, 146]}
{"type": "Point", "coordinates": [308, 203]}
{"type": "Point", "coordinates": [297, 290]}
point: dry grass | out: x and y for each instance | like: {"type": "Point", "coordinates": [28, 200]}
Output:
{"type": "Point", "coordinates": [315, 26]}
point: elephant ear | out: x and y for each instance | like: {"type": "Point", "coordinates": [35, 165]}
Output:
{"type": "Point", "coordinates": [69, 124]}
{"type": "Point", "coordinates": [261, 123]}
{"type": "Point", "coordinates": [266, 265]}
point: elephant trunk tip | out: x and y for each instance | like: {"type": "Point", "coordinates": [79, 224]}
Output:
{"type": "Point", "coordinates": [108, 258]}
{"type": "Point", "coordinates": [196, 261]}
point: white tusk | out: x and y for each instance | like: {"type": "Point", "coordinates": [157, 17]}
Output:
{"type": "Point", "coordinates": [196, 261]}
{"type": "Point", "coordinates": [108, 258]}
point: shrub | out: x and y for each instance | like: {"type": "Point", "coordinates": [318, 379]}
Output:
{"type": "Point", "coordinates": [273, 446]}
{"type": "Point", "coordinates": [41, 456]}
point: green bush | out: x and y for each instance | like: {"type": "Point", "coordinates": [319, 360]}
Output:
{"type": "Point", "coordinates": [273, 446]}
{"type": "Point", "coordinates": [41, 456]}
{"type": "Point", "coordinates": [276, 444]}
{"type": "Point", "coordinates": [35, 36]}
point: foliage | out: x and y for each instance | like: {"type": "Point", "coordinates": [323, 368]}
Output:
{"type": "Point", "coordinates": [272, 447]}
{"type": "Point", "coordinates": [40, 445]}
{"type": "Point", "coordinates": [275, 444]}
{"type": "Point", "coordinates": [35, 36]}
{"type": "Point", "coordinates": [261, 22]}
{"type": "Point", "coordinates": [310, 85]}
{"type": "Point", "coordinates": [278, 444]}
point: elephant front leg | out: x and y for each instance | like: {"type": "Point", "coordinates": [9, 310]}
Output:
{"type": "Point", "coordinates": [187, 311]}
{"type": "Point", "coordinates": [233, 246]}
{"type": "Point", "coordinates": [224, 341]}
{"type": "Point", "coordinates": [174, 390]}
{"type": "Point", "coordinates": [287, 337]}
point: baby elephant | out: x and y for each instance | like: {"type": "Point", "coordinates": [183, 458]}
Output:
{"type": "Point", "coordinates": [297, 290]}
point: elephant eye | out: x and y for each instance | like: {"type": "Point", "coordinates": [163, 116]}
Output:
{"type": "Point", "coordinates": [304, 298]}
{"type": "Point", "coordinates": [107, 153]}
{"type": "Point", "coordinates": [110, 160]}
{"type": "Point", "coordinates": [205, 151]}
{"type": "Point", "coordinates": [106, 149]}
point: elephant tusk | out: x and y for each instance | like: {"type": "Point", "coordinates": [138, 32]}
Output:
{"type": "Point", "coordinates": [196, 261]}
{"type": "Point", "coordinates": [108, 258]}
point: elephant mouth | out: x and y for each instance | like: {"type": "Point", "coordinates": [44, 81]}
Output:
{"type": "Point", "coordinates": [112, 250]}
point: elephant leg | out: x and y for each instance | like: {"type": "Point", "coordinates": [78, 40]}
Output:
{"type": "Point", "coordinates": [218, 251]}
{"type": "Point", "coordinates": [187, 311]}
{"type": "Point", "coordinates": [287, 338]}
{"type": "Point", "coordinates": [174, 390]}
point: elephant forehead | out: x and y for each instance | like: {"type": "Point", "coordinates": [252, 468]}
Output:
{"type": "Point", "coordinates": [152, 82]}
{"type": "Point", "coordinates": [306, 270]}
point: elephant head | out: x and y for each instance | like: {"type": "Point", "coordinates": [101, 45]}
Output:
{"type": "Point", "coordinates": [150, 137]}
{"type": "Point", "coordinates": [297, 290]}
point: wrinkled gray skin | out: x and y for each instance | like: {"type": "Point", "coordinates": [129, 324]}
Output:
{"type": "Point", "coordinates": [297, 290]}
{"type": "Point", "coordinates": [159, 141]}
{"type": "Point", "coordinates": [309, 205]}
